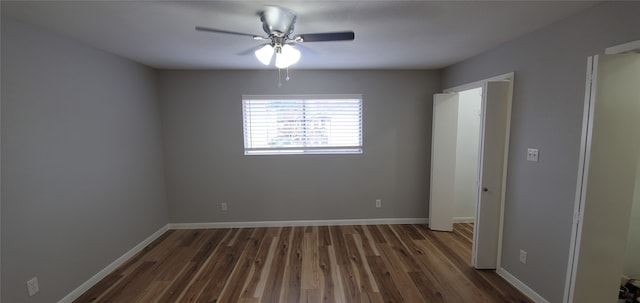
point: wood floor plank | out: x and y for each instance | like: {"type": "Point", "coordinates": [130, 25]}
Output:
{"type": "Point", "coordinates": [131, 286]}
{"type": "Point", "coordinates": [465, 230]}
{"type": "Point", "coordinates": [151, 292]}
{"type": "Point", "coordinates": [442, 271]}
{"type": "Point", "coordinates": [407, 262]}
{"type": "Point", "coordinates": [460, 262]}
{"type": "Point", "coordinates": [100, 289]}
{"type": "Point", "coordinates": [372, 264]}
{"type": "Point", "coordinates": [327, 269]}
{"type": "Point", "coordinates": [371, 298]}
{"type": "Point", "coordinates": [179, 285]}
{"type": "Point", "coordinates": [401, 278]}
{"type": "Point", "coordinates": [273, 284]}
{"type": "Point", "coordinates": [462, 270]}
{"type": "Point", "coordinates": [324, 236]}
{"type": "Point", "coordinates": [293, 272]}
{"type": "Point", "coordinates": [215, 247]}
{"type": "Point", "coordinates": [387, 286]}
{"type": "Point", "coordinates": [340, 294]}
{"type": "Point", "coordinates": [367, 242]}
{"type": "Point", "coordinates": [242, 272]}
{"type": "Point", "coordinates": [223, 270]}
{"type": "Point", "coordinates": [311, 274]}
{"type": "Point", "coordinates": [310, 296]}
{"type": "Point", "coordinates": [361, 267]}
{"type": "Point", "coordinates": [254, 288]}
{"type": "Point", "coordinates": [408, 248]}
{"type": "Point", "coordinates": [348, 277]}
{"type": "Point", "coordinates": [427, 288]}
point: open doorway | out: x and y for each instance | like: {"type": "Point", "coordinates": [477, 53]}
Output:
{"type": "Point", "coordinates": [468, 163]}
{"type": "Point", "coordinates": [467, 156]}
{"type": "Point", "coordinates": [604, 242]}
{"type": "Point", "coordinates": [467, 175]}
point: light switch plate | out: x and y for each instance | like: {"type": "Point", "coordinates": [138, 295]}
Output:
{"type": "Point", "coordinates": [32, 286]}
{"type": "Point", "coordinates": [532, 154]}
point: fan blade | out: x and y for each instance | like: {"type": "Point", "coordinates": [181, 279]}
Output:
{"type": "Point", "coordinates": [306, 50]}
{"type": "Point", "coordinates": [251, 50]}
{"type": "Point", "coordinates": [319, 37]}
{"type": "Point", "coordinates": [220, 31]}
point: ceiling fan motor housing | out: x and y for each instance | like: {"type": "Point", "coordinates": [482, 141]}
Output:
{"type": "Point", "coordinates": [277, 21]}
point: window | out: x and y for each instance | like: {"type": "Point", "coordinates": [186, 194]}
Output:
{"type": "Point", "coordinates": [316, 124]}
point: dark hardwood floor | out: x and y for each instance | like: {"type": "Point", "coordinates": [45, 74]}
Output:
{"type": "Point", "coordinates": [373, 263]}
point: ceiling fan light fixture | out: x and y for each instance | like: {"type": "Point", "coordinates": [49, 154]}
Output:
{"type": "Point", "coordinates": [287, 56]}
{"type": "Point", "coordinates": [278, 23]}
{"type": "Point", "coordinates": [264, 54]}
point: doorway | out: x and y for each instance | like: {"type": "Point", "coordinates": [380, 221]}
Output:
{"type": "Point", "coordinates": [468, 162]}
{"type": "Point", "coordinates": [608, 180]}
{"type": "Point", "coordinates": [467, 155]}
{"type": "Point", "coordinates": [455, 158]}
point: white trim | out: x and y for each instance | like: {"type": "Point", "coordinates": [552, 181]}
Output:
{"type": "Point", "coordinates": [76, 293]}
{"type": "Point", "coordinates": [511, 78]}
{"type": "Point", "coordinates": [633, 46]}
{"type": "Point", "coordinates": [464, 219]}
{"type": "Point", "coordinates": [295, 97]}
{"type": "Point", "coordinates": [578, 209]}
{"type": "Point", "coordinates": [468, 86]}
{"type": "Point", "coordinates": [521, 286]}
{"type": "Point", "coordinates": [298, 223]}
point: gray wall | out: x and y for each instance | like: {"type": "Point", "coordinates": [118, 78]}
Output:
{"type": "Point", "coordinates": [205, 165]}
{"type": "Point", "coordinates": [550, 69]}
{"type": "Point", "coordinates": [82, 171]}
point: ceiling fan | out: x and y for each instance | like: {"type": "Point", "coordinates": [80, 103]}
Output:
{"type": "Point", "coordinates": [278, 23]}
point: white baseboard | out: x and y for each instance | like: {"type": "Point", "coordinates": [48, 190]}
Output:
{"type": "Point", "coordinates": [298, 223]}
{"type": "Point", "coordinates": [463, 219]}
{"type": "Point", "coordinates": [76, 293]}
{"type": "Point", "coordinates": [521, 286]}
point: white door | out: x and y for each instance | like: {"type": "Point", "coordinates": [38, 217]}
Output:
{"type": "Point", "coordinates": [443, 161]}
{"type": "Point", "coordinates": [609, 173]}
{"type": "Point", "coordinates": [493, 144]}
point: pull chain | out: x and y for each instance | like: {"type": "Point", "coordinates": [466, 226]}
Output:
{"type": "Point", "coordinates": [287, 78]}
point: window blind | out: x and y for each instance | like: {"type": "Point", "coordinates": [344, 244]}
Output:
{"type": "Point", "coordinates": [314, 124]}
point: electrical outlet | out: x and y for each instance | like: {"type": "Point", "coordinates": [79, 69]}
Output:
{"type": "Point", "coordinates": [523, 257]}
{"type": "Point", "coordinates": [532, 154]}
{"type": "Point", "coordinates": [378, 203]}
{"type": "Point", "coordinates": [32, 286]}
{"type": "Point", "coordinates": [223, 206]}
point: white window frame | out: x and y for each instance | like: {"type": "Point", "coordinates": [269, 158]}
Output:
{"type": "Point", "coordinates": [251, 148]}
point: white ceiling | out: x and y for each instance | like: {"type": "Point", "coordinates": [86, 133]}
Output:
{"type": "Point", "coordinates": [389, 34]}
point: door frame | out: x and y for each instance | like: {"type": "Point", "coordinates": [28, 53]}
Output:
{"type": "Point", "coordinates": [509, 77]}
{"type": "Point", "coordinates": [578, 211]}
{"type": "Point", "coordinates": [585, 151]}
